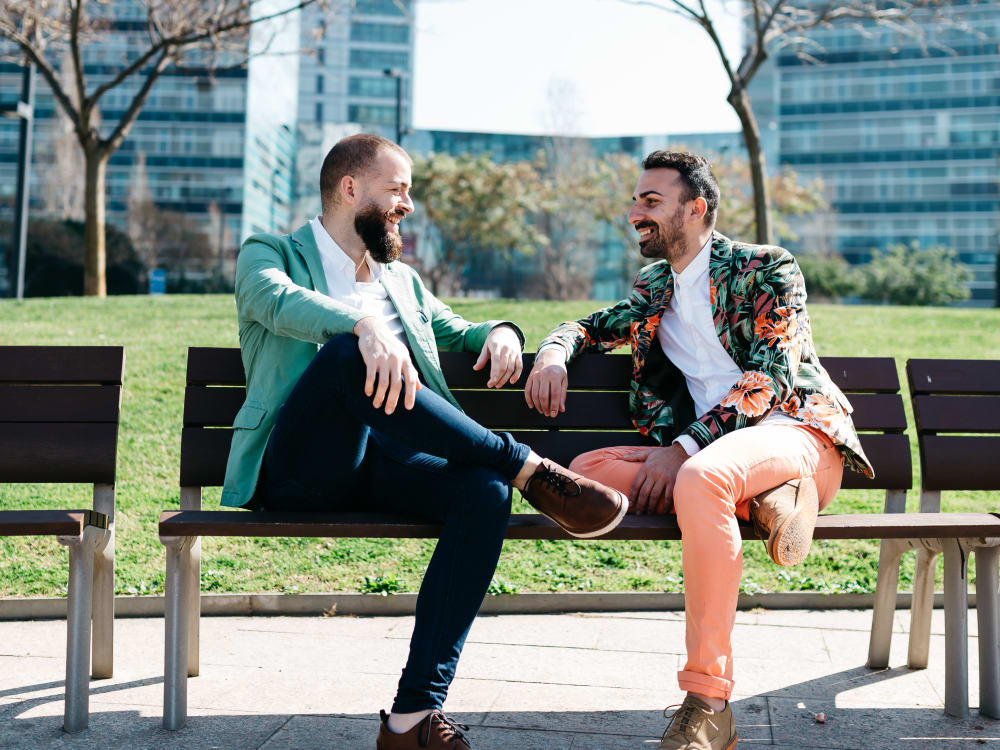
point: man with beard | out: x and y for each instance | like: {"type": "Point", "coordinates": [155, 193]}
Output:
{"type": "Point", "coordinates": [727, 382]}
{"type": "Point", "coordinates": [335, 334]}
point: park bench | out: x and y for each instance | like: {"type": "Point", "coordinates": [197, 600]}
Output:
{"type": "Point", "coordinates": [59, 409]}
{"type": "Point", "coordinates": [596, 416]}
{"type": "Point", "coordinates": [956, 408]}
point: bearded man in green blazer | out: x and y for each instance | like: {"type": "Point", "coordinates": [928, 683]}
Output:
{"type": "Point", "coordinates": [335, 335]}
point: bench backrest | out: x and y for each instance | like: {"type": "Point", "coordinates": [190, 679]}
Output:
{"type": "Point", "coordinates": [59, 408]}
{"type": "Point", "coordinates": [596, 411]}
{"type": "Point", "coordinates": [956, 406]}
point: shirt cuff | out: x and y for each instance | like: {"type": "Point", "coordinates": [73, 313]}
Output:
{"type": "Point", "coordinates": [551, 344]}
{"type": "Point", "coordinates": [688, 444]}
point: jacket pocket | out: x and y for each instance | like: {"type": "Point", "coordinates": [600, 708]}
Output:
{"type": "Point", "coordinates": [249, 417]}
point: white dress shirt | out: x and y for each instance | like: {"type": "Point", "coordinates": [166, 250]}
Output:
{"type": "Point", "coordinates": [341, 279]}
{"type": "Point", "coordinates": [688, 338]}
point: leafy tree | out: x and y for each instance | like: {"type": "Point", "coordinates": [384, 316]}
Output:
{"type": "Point", "coordinates": [907, 275]}
{"type": "Point", "coordinates": [54, 261]}
{"type": "Point", "coordinates": [476, 206]}
{"type": "Point", "coordinates": [828, 276]}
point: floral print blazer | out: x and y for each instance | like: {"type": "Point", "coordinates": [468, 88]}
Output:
{"type": "Point", "coordinates": [758, 304]}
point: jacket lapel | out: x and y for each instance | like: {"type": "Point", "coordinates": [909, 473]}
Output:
{"type": "Point", "coordinates": [304, 243]}
{"type": "Point", "coordinates": [720, 263]}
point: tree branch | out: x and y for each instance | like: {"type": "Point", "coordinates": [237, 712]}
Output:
{"type": "Point", "coordinates": [49, 74]}
{"type": "Point", "coordinates": [128, 119]}
{"type": "Point", "coordinates": [74, 47]}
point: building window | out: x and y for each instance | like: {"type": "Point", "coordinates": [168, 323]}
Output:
{"type": "Point", "coordinates": [319, 112]}
{"type": "Point", "coordinates": [383, 7]}
{"type": "Point", "coordinates": [366, 114]}
{"type": "Point", "coordinates": [381, 87]}
{"type": "Point", "coordinates": [393, 33]}
{"type": "Point", "coordinates": [371, 59]}
{"type": "Point", "coordinates": [319, 84]}
{"type": "Point", "coordinates": [321, 56]}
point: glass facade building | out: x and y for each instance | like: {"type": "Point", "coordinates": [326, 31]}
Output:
{"type": "Point", "coordinates": [223, 139]}
{"type": "Point", "coordinates": [906, 140]}
{"type": "Point", "coordinates": [342, 79]}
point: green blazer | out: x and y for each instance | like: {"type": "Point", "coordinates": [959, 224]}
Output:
{"type": "Point", "coordinates": [285, 315]}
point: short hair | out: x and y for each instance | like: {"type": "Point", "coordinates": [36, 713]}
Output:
{"type": "Point", "coordinates": [353, 156]}
{"type": "Point", "coordinates": [696, 175]}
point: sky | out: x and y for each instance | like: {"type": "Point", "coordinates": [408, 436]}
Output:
{"type": "Point", "coordinates": [580, 67]}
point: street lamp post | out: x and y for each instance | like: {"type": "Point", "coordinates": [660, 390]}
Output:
{"type": "Point", "coordinates": [24, 110]}
{"type": "Point", "coordinates": [398, 75]}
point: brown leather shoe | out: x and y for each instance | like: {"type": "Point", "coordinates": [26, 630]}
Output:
{"type": "Point", "coordinates": [695, 726]}
{"type": "Point", "coordinates": [583, 507]}
{"type": "Point", "coordinates": [785, 517]}
{"type": "Point", "coordinates": [436, 732]}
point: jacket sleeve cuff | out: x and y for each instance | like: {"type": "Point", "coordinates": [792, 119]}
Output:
{"type": "Point", "coordinates": [688, 444]}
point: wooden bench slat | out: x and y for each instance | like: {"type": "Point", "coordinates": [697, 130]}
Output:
{"type": "Point", "coordinates": [957, 413]}
{"type": "Point", "coordinates": [62, 364]}
{"type": "Point", "coordinates": [58, 452]}
{"type": "Point", "coordinates": [959, 462]}
{"type": "Point", "coordinates": [204, 454]}
{"type": "Point", "coordinates": [215, 366]}
{"type": "Point", "coordinates": [212, 407]}
{"type": "Point", "coordinates": [59, 403]}
{"type": "Point", "coordinates": [45, 522]}
{"type": "Point", "coordinates": [954, 376]}
{"type": "Point", "coordinates": [533, 526]}
{"type": "Point", "coordinates": [862, 374]}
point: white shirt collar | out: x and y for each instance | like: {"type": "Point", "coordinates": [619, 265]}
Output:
{"type": "Point", "coordinates": [697, 266]}
{"type": "Point", "coordinates": [340, 260]}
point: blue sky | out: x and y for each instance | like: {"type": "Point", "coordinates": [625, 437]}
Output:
{"type": "Point", "coordinates": [622, 69]}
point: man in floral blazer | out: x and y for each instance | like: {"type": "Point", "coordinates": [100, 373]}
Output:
{"type": "Point", "coordinates": [725, 378]}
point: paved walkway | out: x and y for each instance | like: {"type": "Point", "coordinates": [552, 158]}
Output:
{"type": "Point", "coordinates": [538, 682]}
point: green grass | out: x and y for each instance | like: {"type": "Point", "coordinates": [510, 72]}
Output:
{"type": "Point", "coordinates": [156, 332]}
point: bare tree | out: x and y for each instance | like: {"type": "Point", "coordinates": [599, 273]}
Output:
{"type": "Point", "coordinates": [179, 34]}
{"type": "Point", "coordinates": [775, 25]}
{"type": "Point", "coordinates": [62, 179]}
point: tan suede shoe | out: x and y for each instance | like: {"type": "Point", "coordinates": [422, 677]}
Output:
{"type": "Point", "coordinates": [695, 726]}
{"type": "Point", "coordinates": [436, 732]}
{"type": "Point", "coordinates": [583, 507]}
{"type": "Point", "coordinates": [784, 518]}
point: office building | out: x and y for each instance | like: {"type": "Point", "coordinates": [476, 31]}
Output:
{"type": "Point", "coordinates": [906, 140]}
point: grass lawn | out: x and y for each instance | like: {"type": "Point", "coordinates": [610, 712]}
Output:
{"type": "Point", "coordinates": [156, 332]}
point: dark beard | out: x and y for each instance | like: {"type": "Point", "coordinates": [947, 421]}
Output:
{"type": "Point", "coordinates": [369, 223]}
{"type": "Point", "coordinates": [670, 243]}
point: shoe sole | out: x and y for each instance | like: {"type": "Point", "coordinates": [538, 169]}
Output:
{"type": "Point", "coordinates": [789, 544]}
{"type": "Point", "coordinates": [610, 526]}
{"type": "Point", "coordinates": [732, 744]}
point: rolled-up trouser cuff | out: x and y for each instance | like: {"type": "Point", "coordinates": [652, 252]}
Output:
{"type": "Point", "coordinates": [713, 687]}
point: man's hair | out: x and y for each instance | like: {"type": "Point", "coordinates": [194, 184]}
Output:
{"type": "Point", "coordinates": [696, 175]}
{"type": "Point", "coordinates": [352, 156]}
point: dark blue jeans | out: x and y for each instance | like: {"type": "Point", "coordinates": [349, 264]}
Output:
{"type": "Point", "coordinates": [332, 450]}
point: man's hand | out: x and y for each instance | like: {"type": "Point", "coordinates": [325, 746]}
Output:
{"type": "Point", "coordinates": [503, 349]}
{"type": "Point", "coordinates": [653, 488]}
{"type": "Point", "coordinates": [388, 363]}
{"type": "Point", "coordinates": [545, 388]}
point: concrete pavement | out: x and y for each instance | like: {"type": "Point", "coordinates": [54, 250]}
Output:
{"type": "Point", "coordinates": [526, 682]}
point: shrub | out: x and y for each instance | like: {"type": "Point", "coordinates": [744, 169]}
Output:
{"type": "Point", "coordinates": [828, 276]}
{"type": "Point", "coordinates": [907, 275]}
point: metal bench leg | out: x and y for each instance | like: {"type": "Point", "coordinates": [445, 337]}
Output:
{"type": "Point", "coordinates": [177, 597]}
{"type": "Point", "coordinates": [191, 500]}
{"type": "Point", "coordinates": [886, 587]}
{"type": "Point", "coordinates": [922, 605]}
{"type": "Point", "coordinates": [79, 607]}
{"type": "Point", "coordinates": [102, 662]}
{"type": "Point", "coordinates": [884, 610]}
{"type": "Point", "coordinates": [988, 612]}
{"type": "Point", "coordinates": [956, 630]}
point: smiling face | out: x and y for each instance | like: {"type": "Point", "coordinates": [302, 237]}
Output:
{"type": "Point", "coordinates": [383, 202]}
{"type": "Point", "coordinates": [657, 213]}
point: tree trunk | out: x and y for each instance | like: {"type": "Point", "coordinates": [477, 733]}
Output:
{"type": "Point", "coordinates": [740, 101]}
{"type": "Point", "coordinates": [94, 199]}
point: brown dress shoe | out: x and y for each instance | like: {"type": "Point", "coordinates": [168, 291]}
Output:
{"type": "Point", "coordinates": [695, 726]}
{"type": "Point", "coordinates": [436, 732]}
{"type": "Point", "coordinates": [785, 517]}
{"type": "Point", "coordinates": [583, 507]}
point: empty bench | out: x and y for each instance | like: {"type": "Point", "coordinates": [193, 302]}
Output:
{"type": "Point", "coordinates": [596, 416]}
{"type": "Point", "coordinates": [59, 410]}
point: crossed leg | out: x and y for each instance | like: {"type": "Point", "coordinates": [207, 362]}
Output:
{"type": "Point", "coordinates": [712, 490]}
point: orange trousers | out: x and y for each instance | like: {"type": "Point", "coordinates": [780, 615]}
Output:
{"type": "Point", "coordinates": [713, 488]}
